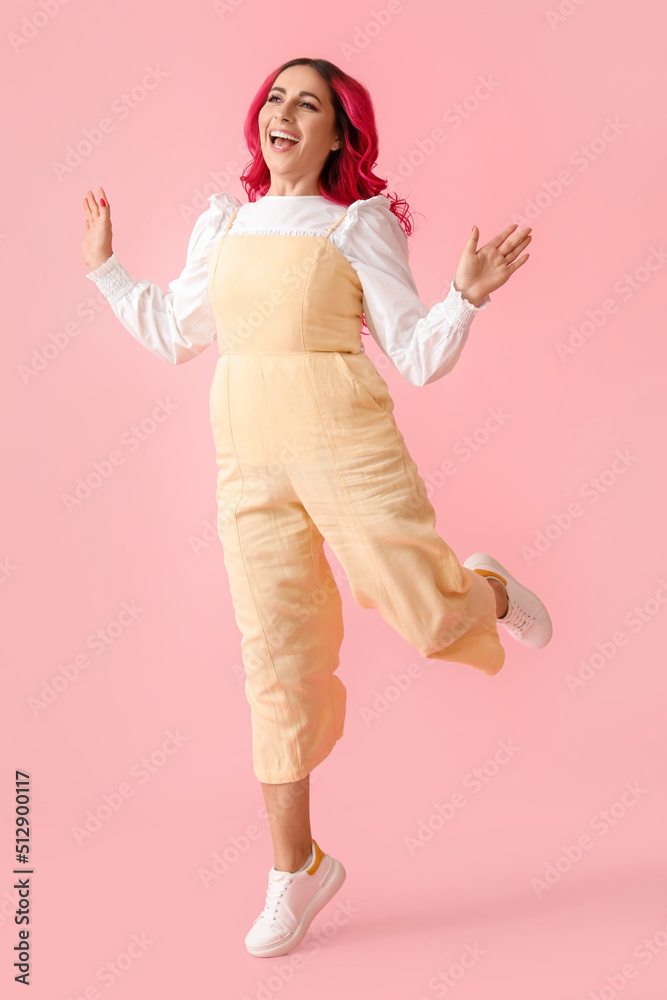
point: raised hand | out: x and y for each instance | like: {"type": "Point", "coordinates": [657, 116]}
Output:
{"type": "Point", "coordinates": [96, 246]}
{"type": "Point", "coordinates": [482, 271]}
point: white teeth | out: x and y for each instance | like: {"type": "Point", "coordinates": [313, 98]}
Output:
{"type": "Point", "coordinates": [285, 135]}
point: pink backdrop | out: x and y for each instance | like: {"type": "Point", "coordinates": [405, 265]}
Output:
{"type": "Point", "coordinates": [502, 836]}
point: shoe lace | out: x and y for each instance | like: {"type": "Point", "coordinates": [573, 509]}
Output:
{"type": "Point", "coordinates": [517, 621]}
{"type": "Point", "coordinates": [274, 897]}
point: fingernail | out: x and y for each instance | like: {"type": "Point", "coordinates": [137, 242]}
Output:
{"type": "Point", "coordinates": [103, 202]}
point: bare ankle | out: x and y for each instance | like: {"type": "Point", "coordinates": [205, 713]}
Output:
{"type": "Point", "coordinates": [292, 861]}
{"type": "Point", "coordinates": [502, 601]}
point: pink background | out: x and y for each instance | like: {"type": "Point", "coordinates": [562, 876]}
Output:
{"type": "Point", "coordinates": [535, 148]}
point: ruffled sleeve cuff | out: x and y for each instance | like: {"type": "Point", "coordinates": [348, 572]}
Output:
{"type": "Point", "coordinates": [463, 306]}
{"type": "Point", "coordinates": [112, 279]}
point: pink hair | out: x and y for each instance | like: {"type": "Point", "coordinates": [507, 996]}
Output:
{"type": "Point", "coordinates": [347, 174]}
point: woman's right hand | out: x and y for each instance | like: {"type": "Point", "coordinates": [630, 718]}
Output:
{"type": "Point", "coordinates": [96, 246]}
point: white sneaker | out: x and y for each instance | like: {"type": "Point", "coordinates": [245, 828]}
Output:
{"type": "Point", "coordinates": [526, 619]}
{"type": "Point", "coordinates": [292, 900]}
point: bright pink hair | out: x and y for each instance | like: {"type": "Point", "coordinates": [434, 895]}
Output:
{"type": "Point", "coordinates": [347, 174]}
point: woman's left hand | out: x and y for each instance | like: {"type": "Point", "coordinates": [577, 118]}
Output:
{"type": "Point", "coordinates": [481, 271]}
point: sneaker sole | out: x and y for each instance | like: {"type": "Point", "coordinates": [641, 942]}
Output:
{"type": "Point", "coordinates": [332, 883]}
{"type": "Point", "coordinates": [542, 631]}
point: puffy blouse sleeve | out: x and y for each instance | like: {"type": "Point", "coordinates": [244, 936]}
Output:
{"type": "Point", "coordinates": [423, 344]}
{"type": "Point", "coordinates": [178, 323]}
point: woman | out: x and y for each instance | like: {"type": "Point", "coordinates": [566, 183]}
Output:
{"type": "Point", "coordinates": [306, 443]}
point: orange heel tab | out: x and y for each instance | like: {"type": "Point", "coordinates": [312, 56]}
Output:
{"type": "Point", "coordinates": [319, 854]}
{"type": "Point", "coordinates": [487, 572]}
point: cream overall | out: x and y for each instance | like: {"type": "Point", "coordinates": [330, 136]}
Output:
{"type": "Point", "coordinates": [308, 449]}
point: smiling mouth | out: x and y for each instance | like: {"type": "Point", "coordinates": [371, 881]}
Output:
{"type": "Point", "coordinates": [279, 142]}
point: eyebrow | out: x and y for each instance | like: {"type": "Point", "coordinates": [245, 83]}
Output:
{"type": "Point", "coordinates": [302, 93]}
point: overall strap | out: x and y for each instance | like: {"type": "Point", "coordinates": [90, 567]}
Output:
{"type": "Point", "coordinates": [331, 228]}
{"type": "Point", "coordinates": [230, 222]}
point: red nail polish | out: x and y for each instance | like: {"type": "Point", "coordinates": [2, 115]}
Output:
{"type": "Point", "coordinates": [103, 202]}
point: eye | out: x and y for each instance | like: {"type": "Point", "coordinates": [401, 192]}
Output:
{"type": "Point", "coordinates": [307, 103]}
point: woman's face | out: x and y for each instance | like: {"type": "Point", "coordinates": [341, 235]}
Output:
{"type": "Point", "coordinates": [299, 103]}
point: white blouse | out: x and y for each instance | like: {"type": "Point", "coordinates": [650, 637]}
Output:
{"type": "Point", "coordinates": [176, 325]}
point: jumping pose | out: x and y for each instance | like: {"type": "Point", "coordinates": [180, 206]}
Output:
{"type": "Point", "coordinates": [307, 446]}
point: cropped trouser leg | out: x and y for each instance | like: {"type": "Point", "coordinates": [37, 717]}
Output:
{"type": "Point", "coordinates": [289, 611]}
{"type": "Point", "coordinates": [398, 565]}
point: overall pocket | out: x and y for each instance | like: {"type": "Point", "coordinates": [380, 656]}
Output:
{"type": "Point", "coordinates": [363, 375]}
